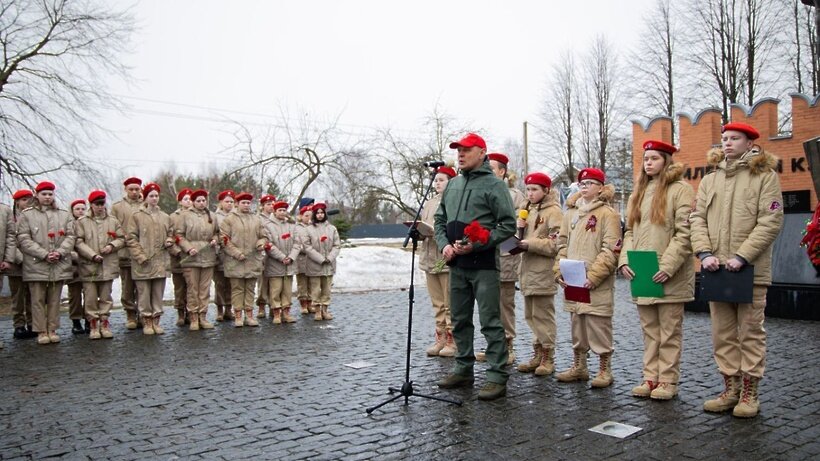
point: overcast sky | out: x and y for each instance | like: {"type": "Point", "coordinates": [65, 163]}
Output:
{"type": "Point", "coordinates": [377, 63]}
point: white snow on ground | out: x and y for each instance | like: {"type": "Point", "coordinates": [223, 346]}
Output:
{"type": "Point", "coordinates": [367, 266]}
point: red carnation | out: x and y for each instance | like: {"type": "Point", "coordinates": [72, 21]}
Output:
{"type": "Point", "coordinates": [285, 236]}
{"type": "Point", "coordinates": [225, 239]}
{"type": "Point", "coordinates": [591, 223]}
{"type": "Point", "coordinates": [113, 235]}
{"type": "Point", "coordinates": [62, 233]}
{"type": "Point", "coordinates": [475, 233]}
{"type": "Point", "coordinates": [324, 237]}
{"type": "Point", "coordinates": [177, 239]}
{"type": "Point", "coordinates": [268, 246]}
{"type": "Point", "coordinates": [51, 235]}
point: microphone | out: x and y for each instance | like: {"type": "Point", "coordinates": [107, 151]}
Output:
{"type": "Point", "coordinates": [434, 164]}
{"type": "Point", "coordinates": [522, 214]}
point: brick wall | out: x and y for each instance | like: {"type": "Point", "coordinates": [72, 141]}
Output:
{"type": "Point", "coordinates": [700, 133]}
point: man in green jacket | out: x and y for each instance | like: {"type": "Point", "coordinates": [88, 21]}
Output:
{"type": "Point", "coordinates": [475, 195]}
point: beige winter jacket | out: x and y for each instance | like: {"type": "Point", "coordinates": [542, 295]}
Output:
{"type": "Point", "coordinates": [669, 240]}
{"type": "Point", "coordinates": [148, 236]}
{"type": "Point", "coordinates": [541, 233]}
{"type": "Point", "coordinates": [284, 244]}
{"type": "Point", "coordinates": [591, 232]}
{"type": "Point", "coordinates": [41, 230]}
{"type": "Point", "coordinates": [322, 248]}
{"type": "Point", "coordinates": [739, 210]}
{"type": "Point", "coordinates": [510, 263]}
{"type": "Point", "coordinates": [243, 236]}
{"type": "Point", "coordinates": [429, 254]}
{"type": "Point", "coordinates": [94, 234]}
{"type": "Point", "coordinates": [123, 210]}
{"type": "Point", "coordinates": [195, 231]}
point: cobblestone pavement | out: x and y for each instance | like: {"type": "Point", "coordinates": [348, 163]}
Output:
{"type": "Point", "coordinates": [284, 392]}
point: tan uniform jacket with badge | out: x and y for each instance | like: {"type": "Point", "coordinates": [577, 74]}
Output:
{"type": "Point", "coordinates": [322, 248]}
{"type": "Point", "coordinates": [510, 263]}
{"type": "Point", "coordinates": [669, 240]}
{"type": "Point", "coordinates": [123, 210]}
{"type": "Point", "coordinates": [541, 233]}
{"type": "Point", "coordinates": [284, 244]}
{"type": "Point", "coordinates": [591, 233]}
{"type": "Point", "coordinates": [147, 234]}
{"type": "Point", "coordinates": [739, 210]}
{"type": "Point", "coordinates": [243, 234]}
{"type": "Point", "coordinates": [196, 232]}
{"type": "Point", "coordinates": [41, 230]}
{"type": "Point", "coordinates": [429, 254]}
{"type": "Point", "coordinates": [94, 234]}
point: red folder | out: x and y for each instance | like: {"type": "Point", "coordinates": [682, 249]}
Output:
{"type": "Point", "coordinates": [577, 294]}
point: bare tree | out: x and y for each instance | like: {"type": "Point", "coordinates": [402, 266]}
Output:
{"type": "Point", "coordinates": [601, 79]}
{"type": "Point", "coordinates": [559, 117]}
{"type": "Point", "coordinates": [56, 55]}
{"type": "Point", "coordinates": [803, 52]}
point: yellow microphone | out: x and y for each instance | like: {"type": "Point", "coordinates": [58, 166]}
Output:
{"type": "Point", "coordinates": [522, 214]}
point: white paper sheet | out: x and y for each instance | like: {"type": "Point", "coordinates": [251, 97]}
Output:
{"type": "Point", "coordinates": [573, 271]}
{"type": "Point", "coordinates": [613, 429]}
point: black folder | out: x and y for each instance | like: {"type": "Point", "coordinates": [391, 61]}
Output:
{"type": "Point", "coordinates": [727, 287]}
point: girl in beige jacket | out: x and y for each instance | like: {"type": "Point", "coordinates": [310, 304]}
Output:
{"type": "Point", "coordinates": [222, 286]}
{"type": "Point", "coordinates": [280, 263]}
{"type": "Point", "coordinates": [302, 284]}
{"type": "Point", "coordinates": [149, 238]}
{"type": "Point", "coordinates": [196, 235]}
{"type": "Point", "coordinates": [537, 282]}
{"type": "Point", "coordinates": [322, 248]}
{"type": "Point", "coordinates": [591, 232]}
{"type": "Point", "coordinates": [658, 220]}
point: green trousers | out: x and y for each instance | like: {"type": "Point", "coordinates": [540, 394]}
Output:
{"type": "Point", "coordinates": [468, 286]}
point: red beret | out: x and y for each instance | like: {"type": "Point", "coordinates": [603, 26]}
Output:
{"type": "Point", "coordinates": [243, 196]}
{"type": "Point", "coordinates": [471, 140]}
{"type": "Point", "coordinates": [748, 130]}
{"type": "Point", "coordinates": [226, 193]}
{"type": "Point", "coordinates": [199, 193]}
{"type": "Point", "coordinates": [500, 158]}
{"type": "Point", "coordinates": [22, 193]}
{"type": "Point", "coordinates": [76, 202]}
{"type": "Point", "coordinates": [96, 195]}
{"type": "Point", "coordinates": [592, 173]}
{"type": "Point", "coordinates": [660, 146]}
{"type": "Point", "coordinates": [44, 185]}
{"type": "Point", "coordinates": [305, 209]}
{"type": "Point", "coordinates": [181, 195]}
{"type": "Point", "coordinates": [280, 204]}
{"type": "Point", "coordinates": [447, 170]}
{"type": "Point", "coordinates": [267, 198]}
{"type": "Point", "coordinates": [319, 206]}
{"type": "Point", "coordinates": [538, 178]}
{"type": "Point", "coordinates": [132, 180]}
{"type": "Point", "coordinates": [149, 187]}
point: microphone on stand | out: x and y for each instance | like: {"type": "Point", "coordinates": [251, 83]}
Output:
{"type": "Point", "coordinates": [522, 214]}
{"type": "Point", "coordinates": [434, 164]}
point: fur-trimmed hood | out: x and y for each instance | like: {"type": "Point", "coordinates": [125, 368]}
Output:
{"type": "Point", "coordinates": [756, 159]}
{"type": "Point", "coordinates": [674, 172]}
{"type": "Point", "coordinates": [606, 195]}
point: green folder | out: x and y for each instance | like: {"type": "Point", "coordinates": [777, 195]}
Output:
{"type": "Point", "coordinates": [645, 265]}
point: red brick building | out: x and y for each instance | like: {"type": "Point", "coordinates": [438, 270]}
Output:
{"type": "Point", "coordinates": [701, 133]}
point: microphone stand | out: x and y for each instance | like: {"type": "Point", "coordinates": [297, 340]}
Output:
{"type": "Point", "coordinates": [406, 390]}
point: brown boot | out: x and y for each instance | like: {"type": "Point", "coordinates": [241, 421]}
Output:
{"type": "Point", "coordinates": [131, 320]}
{"type": "Point", "coordinates": [578, 371]}
{"type": "Point", "coordinates": [325, 314]}
{"type": "Point", "coordinates": [303, 306]}
{"type": "Point", "coordinates": [229, 313]}
{"type": "Point", "coordinates": [203, 321]}
{"type": "Point", "coordinates": [181, 318]}
{"type": "Point", "coordinates": [249, 320]}
{"type": "Point", "coordinates": [728, 398]}
{"type": "Point", "coordinates": [95, 330]}
{"type": "Point", "coordinates": [441, 341]}
{"type": "Point", "coordinates": [450, 349]}
{"type": "Point", "coordinates": [193, 324]}
{"type": "Point", "coordinates": [286, 317]}
{"type": "Point", "coordinates": [237, 318]}
{"type": "Point", "coordinates": [157, 328]}
{"type": "Point", "coordinates": [277, 316]}
{"type": "Point", "coordinates": [604, 376]}
{"type": "Point", "coordinates": [529, 367]}
{"type": "Point", "coordinates": [147, 326]}
{"type": "Point", "coordinates": [105, 328]}
{"type": "Point", "coordinates": [510, 351]}
{"type": "Point", "coordinates": [220, 316]}
{"type": "Point", "coordinates": [317, 312]}
{"type": "Point", "coordinates": [749, 405]}
{"type": "Point", "coordinates": [261, 313]}
{"type": "Point", "coordinates": [547, 365]}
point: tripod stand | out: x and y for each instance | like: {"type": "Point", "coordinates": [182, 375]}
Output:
{"type": "Point", "coordinates": [406, 390]}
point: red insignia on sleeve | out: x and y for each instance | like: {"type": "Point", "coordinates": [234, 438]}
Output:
{"type": "Point", "coordinates": [775, 206]}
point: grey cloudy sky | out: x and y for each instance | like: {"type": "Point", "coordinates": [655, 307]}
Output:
{"type": "Point", "coordinates": [377, 63]}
